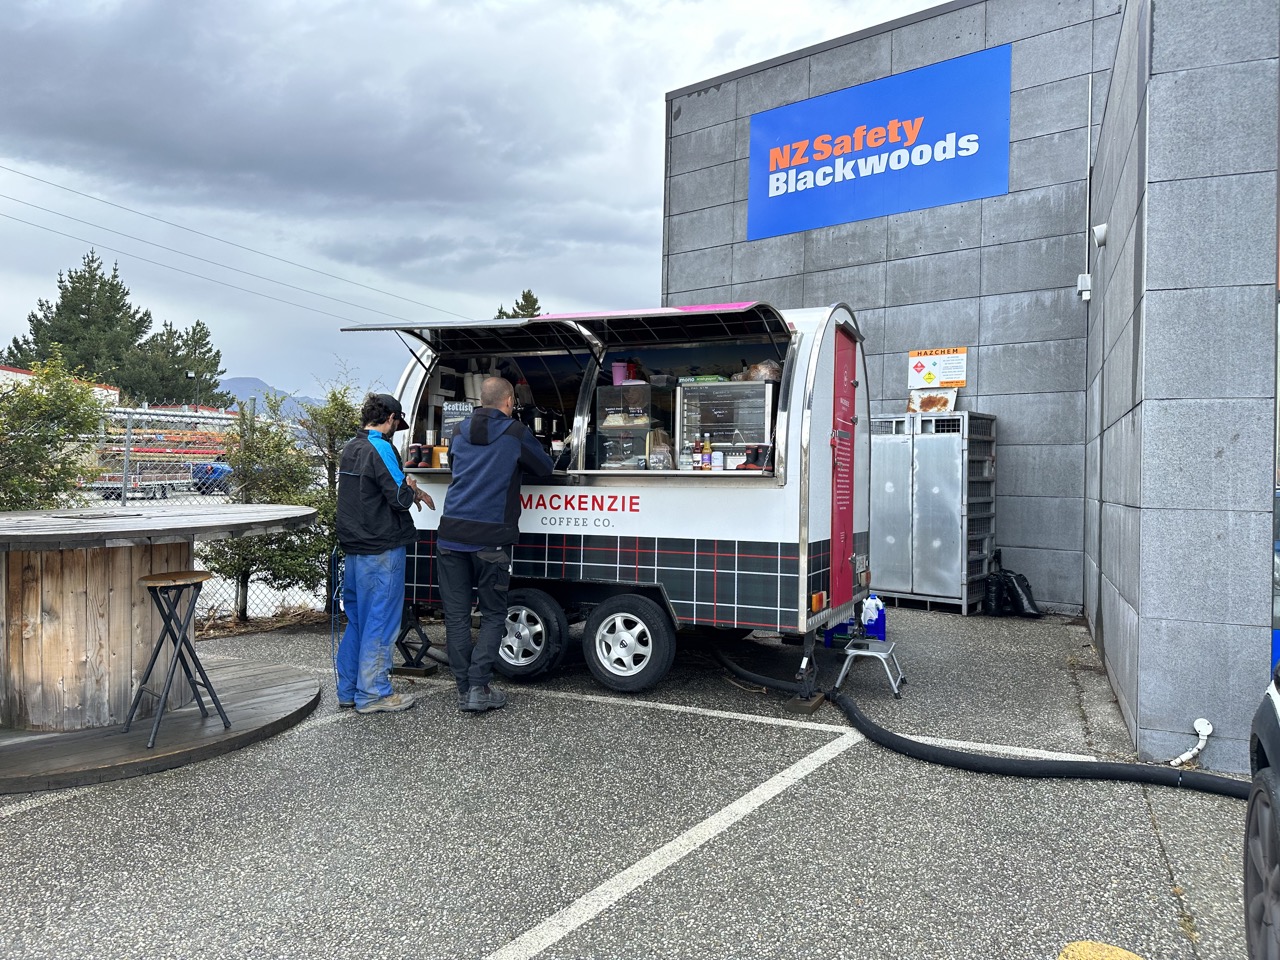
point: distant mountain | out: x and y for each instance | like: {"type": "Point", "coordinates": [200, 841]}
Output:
{"type": "Point", "coordinates": [242, 388]}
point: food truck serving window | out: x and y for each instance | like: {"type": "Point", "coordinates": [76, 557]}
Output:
{"type": "Point", "coordinates": [686, 388]}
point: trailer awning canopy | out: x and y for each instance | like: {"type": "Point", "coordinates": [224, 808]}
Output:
{"type": "Point", "coordinates": [721, 323]}
{"type": "Point", "coordinates": [622, 330]}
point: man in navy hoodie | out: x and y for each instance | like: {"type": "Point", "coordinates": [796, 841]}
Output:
{"type": "Point", "coordinates": [374, 526]}
{"type": "Point", "coordinates": [478, 527]}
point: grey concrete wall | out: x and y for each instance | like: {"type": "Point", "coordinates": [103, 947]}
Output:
{"type": "Point", "coordinates": [1113, 543]}
{"type": "Point", "coordinates": [1211, 269]}
{"type": "Point", "coordinates": [995, 275]}
{"type": "Point", "coordinates": [1181, 370]}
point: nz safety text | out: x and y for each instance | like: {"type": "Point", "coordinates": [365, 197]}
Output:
{"type": "Point", "coordinates": [783, 161]}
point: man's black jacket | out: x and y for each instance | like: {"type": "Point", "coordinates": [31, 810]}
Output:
{"type": "Point", "coordinates": [373, 499]}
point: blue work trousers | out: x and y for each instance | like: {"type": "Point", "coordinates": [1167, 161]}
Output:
{"type": "Point", "coordinates": [373, 599]}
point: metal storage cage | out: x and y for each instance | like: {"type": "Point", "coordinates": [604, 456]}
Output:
{"type": "Point", "coordinates": [933, 506]}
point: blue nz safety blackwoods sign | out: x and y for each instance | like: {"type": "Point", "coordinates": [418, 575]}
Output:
{"type": "Point", "coordinates": [933, 136]}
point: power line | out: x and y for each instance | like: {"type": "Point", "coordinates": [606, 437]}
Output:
{"type": "Point", "coordinates": [230, 243]}
{"type": "Point", "coordinates": [215, 263]}
{"type": "Point", "coordinates": [167, 266]}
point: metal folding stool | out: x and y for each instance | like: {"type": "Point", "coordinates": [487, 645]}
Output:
{"type": "Point", "coordinates": [860, 645]}
{"type": "Point", "coordinates": [167, 591]}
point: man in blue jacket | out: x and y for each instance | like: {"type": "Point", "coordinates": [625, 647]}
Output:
{"type": "Point", "coordinates": [478, 527]}
{"type": "Point", "coordinates": [374, 527]}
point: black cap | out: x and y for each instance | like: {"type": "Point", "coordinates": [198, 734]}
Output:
{"type": "Point", "coordinates": [392, 404]}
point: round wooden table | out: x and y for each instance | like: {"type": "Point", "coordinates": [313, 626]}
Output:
{"type": "Point", "coordinates": [76, 627]}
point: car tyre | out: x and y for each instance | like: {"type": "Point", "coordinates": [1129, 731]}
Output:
{"type": "Point", "coordinates": [629, 643]}
{"type": "Point", "coordinates": [536, 637]}
{"type": "Point", "coordinates": [1262, 866]}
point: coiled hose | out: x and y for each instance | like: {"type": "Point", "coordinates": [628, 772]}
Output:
{"type": "Point", "coordinates": [1006, 766]}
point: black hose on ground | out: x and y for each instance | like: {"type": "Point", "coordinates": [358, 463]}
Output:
{"type": "Point", "coordinates": [782, 686]}
{"type": "Point", "coordinates": [1063, 769]}
{"type": "Point", "coordinates": [1008, 766]}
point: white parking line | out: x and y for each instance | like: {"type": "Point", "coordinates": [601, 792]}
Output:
{"type": "Point", "coordinates": [33, 803]}
{"type": "Point", "coordinates": [592, 904]}
{"type": "Point", "coordinates": [699, 711]}
{"type": "Point", "coordinates": [997, 749]}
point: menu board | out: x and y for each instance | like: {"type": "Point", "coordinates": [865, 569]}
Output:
{"type": "Point", "coordinates": [452, 412]}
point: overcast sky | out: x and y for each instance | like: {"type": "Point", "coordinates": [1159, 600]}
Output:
{"type": "Point", "coordinates": [442, 154]}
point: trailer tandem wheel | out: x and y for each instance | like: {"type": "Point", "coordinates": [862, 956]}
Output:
{"type": "Point", "coordinates": [629, 643]}
{"type": "Point", "coordinates": [536, 638]}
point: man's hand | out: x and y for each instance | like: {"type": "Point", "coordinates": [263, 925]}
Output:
{"type": "Point", "coordinates": [419, 497]}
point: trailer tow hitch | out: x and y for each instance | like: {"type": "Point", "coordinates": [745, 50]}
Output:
{"type": "Point", "coordinates": [808, 698]}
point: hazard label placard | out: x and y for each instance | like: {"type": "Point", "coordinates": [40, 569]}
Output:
{"type": "Point", "coordinates": [934, 369]}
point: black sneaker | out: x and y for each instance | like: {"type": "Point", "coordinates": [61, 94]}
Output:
{"type": "Point", "coordinates": [480, 699]}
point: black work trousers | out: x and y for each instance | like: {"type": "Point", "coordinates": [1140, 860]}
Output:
{"type": "Point", "coordinates": [486, 575]}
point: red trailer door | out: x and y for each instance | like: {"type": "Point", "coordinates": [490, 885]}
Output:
{"type": "Point", "coordinates": [842, 491]}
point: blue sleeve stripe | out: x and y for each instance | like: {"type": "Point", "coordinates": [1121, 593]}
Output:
{"type": "Point", "coordinates": [388, 456]}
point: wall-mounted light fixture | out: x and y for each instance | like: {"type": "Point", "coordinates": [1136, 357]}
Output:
{"type": "Point", "coordinates": [1100, 235]}
{"type": "Point", "coordinates": [1084, 286]}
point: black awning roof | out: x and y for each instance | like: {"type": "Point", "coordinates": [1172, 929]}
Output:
{"type": "Point", "coordinates": [621, 330]}
{"type": "Point", "coordinates": [719, 323]}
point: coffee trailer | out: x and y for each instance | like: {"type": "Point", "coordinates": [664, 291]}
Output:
{"type": "Point", "coordinates": [629, 533]}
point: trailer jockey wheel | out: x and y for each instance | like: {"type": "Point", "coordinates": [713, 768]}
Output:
{"type": "Point", "coordinates": [629, 643]}
{"type": "Point", "coordinates": [536, 638]}
{"type": "Point", "coordinates": [809, 698]}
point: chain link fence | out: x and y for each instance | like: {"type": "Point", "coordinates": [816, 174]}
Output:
{"type": "Point", "coordinates": [177, 453]}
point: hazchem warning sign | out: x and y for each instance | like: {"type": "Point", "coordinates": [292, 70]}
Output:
{"type": "Point", "coordinates": [935, 369]}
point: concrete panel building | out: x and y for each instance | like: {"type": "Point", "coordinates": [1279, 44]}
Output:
{"type": "Point", "coordinates": [1116, 296]}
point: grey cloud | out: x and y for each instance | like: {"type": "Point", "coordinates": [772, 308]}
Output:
{"type": "Point", "coordinates": [174, 98]}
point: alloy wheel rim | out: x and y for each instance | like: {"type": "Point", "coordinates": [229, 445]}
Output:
{"type": "Point", "coordinates": [624, 644]}
{"type": "Point", "coordinates": [525, 639]}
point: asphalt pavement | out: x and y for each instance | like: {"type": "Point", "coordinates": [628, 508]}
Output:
{"type": "Point", "coordinates": [699, 820]}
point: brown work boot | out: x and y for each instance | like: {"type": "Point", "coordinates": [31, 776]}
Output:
{"type": "Point", "coordinates": [394, 703]}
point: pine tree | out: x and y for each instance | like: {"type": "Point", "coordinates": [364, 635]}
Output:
{"type": "Point", "coordinates": [101, 336]}
{"type": "Point", "coordinates": [526, 306]}
{"type": "Point", "coordinates": [93, 325]}
{"type": "Point", "coordinates": [178, 366]}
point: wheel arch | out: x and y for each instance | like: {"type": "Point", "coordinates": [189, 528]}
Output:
{"type": "Point", "coordinates": [1264, 741]}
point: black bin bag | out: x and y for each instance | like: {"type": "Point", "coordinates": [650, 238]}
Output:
{"type": "Point", "coordinates": [1018, 592]}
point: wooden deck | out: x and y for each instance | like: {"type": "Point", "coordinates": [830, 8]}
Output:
{"type": "Point", "coordinates": [261, 700]}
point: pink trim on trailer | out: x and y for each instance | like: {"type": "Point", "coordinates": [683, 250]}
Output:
{"type": "Point", "coordinates": [651, 312]}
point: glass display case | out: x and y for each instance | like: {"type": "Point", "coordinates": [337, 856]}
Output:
{"type": "Point", "coordinates": [735, 416]}
{"type": "Point", "coordinates": [633, 428]}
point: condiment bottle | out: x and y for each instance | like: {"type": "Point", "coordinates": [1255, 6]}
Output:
{"type": "Point", "coordinates": [706, 451]}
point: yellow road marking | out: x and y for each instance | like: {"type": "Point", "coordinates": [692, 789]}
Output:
{"type": "Point", "coordinates": [1091, 950]}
